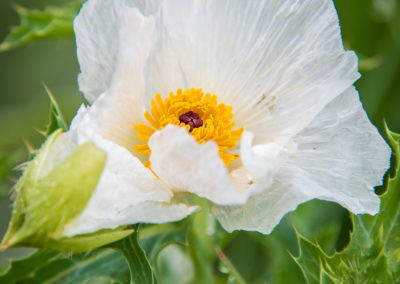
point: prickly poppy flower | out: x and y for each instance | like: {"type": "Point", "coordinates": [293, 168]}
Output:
{"type": "Point", "coordinates": [248, 104]}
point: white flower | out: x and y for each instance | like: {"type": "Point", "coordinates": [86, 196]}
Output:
{"type": "Point", "coordinates": [279, 71]}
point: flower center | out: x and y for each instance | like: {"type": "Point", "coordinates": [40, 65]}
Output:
{"type": "Point", "coordinates": [199, 113]}
{"type": "Point", "coordinates": [192, 119]}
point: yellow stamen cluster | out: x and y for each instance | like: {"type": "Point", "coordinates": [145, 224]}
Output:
{"type": "Point", "coordinates": [217, 120]}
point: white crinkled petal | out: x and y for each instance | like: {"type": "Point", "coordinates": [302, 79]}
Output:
{"type": "Point", "coordinates": [340, 157]}
{"type": "Point", "coordinates": [262, 159]}
{"type": "Point", "coordinates": [97, 37]}
{"type": "Point", "coordinates": [259, 163]}
{"type": "Point", "coordinates": [262, 212]}
{"type": "Point", "coordinates": [112, 38]}
{"type": "Point", "coordinates": [185, 165]}
{"type": "Point", "coordinates": [114, 42]}
{"type": "Point", "coordinates": [145, 212]}
{"type": "Point", "coordinates": [277, 63]}
{"type": "Point", "coordinates": [146, 7]}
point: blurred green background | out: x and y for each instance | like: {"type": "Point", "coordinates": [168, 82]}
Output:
{"type": "Point", "coordinates": [369, 27]}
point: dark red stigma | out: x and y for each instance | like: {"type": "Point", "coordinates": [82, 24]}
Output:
{"type": "Point", "coordinates": [192, 119]}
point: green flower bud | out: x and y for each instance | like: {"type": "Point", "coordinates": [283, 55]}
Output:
{"type": "Point", "coordinates": [46, 203]}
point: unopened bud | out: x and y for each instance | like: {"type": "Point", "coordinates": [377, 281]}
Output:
{"type": "Point", "coordinates": [45, 204]}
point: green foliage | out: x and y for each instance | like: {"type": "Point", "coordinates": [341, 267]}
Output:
{"type": "Point", "coordinates": [86, 242]}
{"type": "Point", "coordinates": [56, 119]}
{"type": "Point", "coordinates": [22, 268]}
{"type": "Point", "coordinates": [108, 263]}
{"type": "Point", "coordinates": [206, 240]}
{"type": "Point", "coordinates": [373, 253]}
{"type": "Point", "coordinates": [156, 238]}
{"type": "Point", "coordinates": [53, 22]}
{"type": "Point", "coordinates": [51, 267]}
{"type": "Point", "coordinates": [201, 243]}
{"type": "Point", "coordinates": [124, 261]}
{"type": "Point", "coordinates": [139, 266]}
{"type": "Point", "coordinates": [235, 275]}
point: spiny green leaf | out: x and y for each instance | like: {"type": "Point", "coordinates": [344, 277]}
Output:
{"type": "Point", "coordinates": [389, 216]}
{"type": "Point", "coordinates": [310, 260]}
{"type": "Point", "coordinates": [156, 238]}
{"type": "Point", "coordinates": [108, 264]}
{"type": "Point", "coordinates": [53, 22]}
{"type": "Point", "coordinates": [326, 278]}
{"type": "Point", "coordinates": [139, 266]}
{"type": "Point", "coordinates": [51, 267]}
{"type": "Point", "coordinates": [56, 119]}
{"type": "Point", "coordinates": [373, 254]}
{"type": "Point", "coordinates": [22, 268]}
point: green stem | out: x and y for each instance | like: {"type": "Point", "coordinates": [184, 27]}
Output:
{"type": "Point", "coordinates": [201, 244]}
{"type": "Point", "coordinates": [228, 264]}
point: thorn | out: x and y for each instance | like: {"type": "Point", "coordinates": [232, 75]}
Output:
{"type": "Point", "coordinates": [49, 93]}
{"type": "Point", "coordinates": [40, 131]}
{"type": "Point", "coordinates": [22, 11]}
{"type": "Point", "coordinates": [298, 235]}
{"type": "Point", "coordinates": [29, 146]}
{"type": "Point", "coordinates": [386, 125]}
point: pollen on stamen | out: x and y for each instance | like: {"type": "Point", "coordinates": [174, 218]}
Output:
{"type": "Point", "coordinates": [199, 113]}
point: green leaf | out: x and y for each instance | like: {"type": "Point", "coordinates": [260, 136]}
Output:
{"type": "Point", "coordinates": [373, 254]}
{"type": "Point", "coordinates": [326, 278]}
{"type": "Point", "coordinates": [53, 22]}
{"type": "Point", "coordinates": [51, 267]}
{"type": "Point", "coordinates": [108, 264]}
{"type": "Point", "coordinates": [22, 268]}
{"type": "Point", "coordinates": [139, 266]}
{"type": "Point", "coordinates": [389, 215]}
{"type": "Point", "coordinates": [155, 238]}
{"type": "Point", "coordinates": [87, 242]}
{"type": "Point", "coordinates": [56, 119]}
